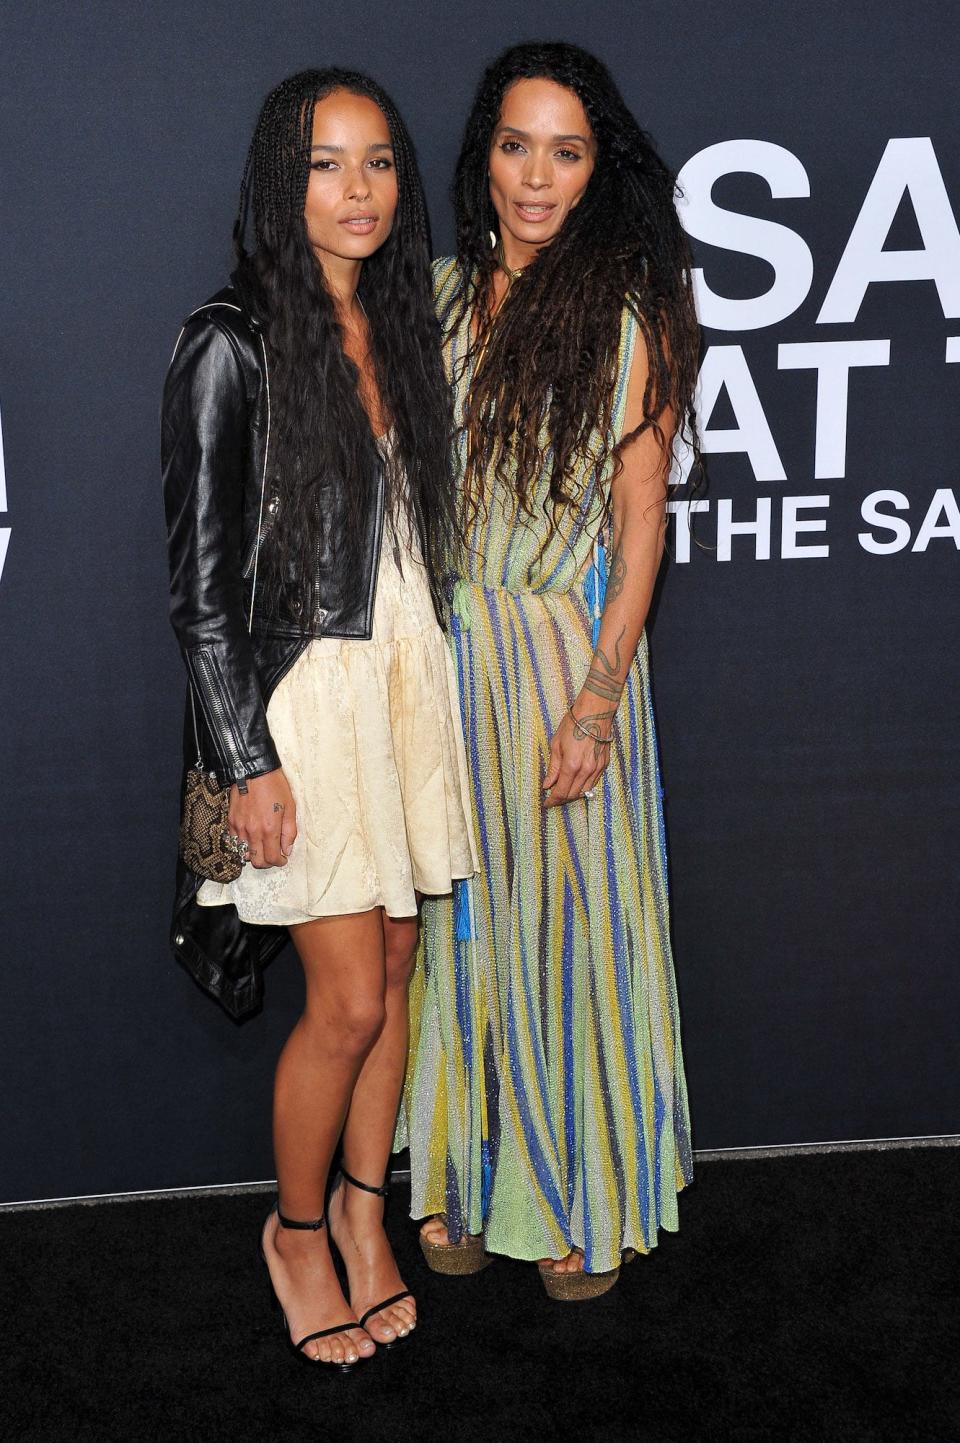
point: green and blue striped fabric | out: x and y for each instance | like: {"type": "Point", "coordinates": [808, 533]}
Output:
{"type": "Point", "coordinates": [545, 1101]}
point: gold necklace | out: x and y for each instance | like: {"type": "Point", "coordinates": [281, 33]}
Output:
{"type": "Point", "coordinates": [511, 275]}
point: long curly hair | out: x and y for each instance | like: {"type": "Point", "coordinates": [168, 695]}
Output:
{"type": "Point", "coordinates": [546, 362]}
{"type": "Point", "coordinates": [323, 455]}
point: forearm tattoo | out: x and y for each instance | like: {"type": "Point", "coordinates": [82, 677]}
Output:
{"type": "Point", "coordinates": [618, 571]}
{"type": "Point", "coordinates": [603, 678]}
{"type": "Point", "coordinates": [612, 668]}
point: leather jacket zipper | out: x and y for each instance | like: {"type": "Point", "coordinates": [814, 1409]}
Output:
{"type": "Point", "coordinates": [258, 540]}
{"type": "Point", "coordinates": [214, 694]}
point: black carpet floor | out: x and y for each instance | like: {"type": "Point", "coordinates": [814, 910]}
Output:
{"type": "Point", "coordinates": [811, 1297]}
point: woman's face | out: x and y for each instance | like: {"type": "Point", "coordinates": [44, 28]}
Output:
{"type": "Point", "coordinates": [352, 190]}
{"type": "Point", "coordinates": [541, 159]}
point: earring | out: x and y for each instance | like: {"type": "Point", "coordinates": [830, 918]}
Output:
{"type": "Point", "coordinates": [493, 239]}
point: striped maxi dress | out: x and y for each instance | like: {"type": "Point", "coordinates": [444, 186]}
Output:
{"type": "Point", "coordinates": [545, 1101]}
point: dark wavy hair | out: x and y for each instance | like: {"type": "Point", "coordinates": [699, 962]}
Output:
{"type": "Point", "coordinates": [550, 353]}
{"type": "Point", "coordinates": [321, 436]}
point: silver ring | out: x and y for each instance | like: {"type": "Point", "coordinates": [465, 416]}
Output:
{"type": "Point", "coordinates": [587, 796]}
{"type": "Point", "coordinates": [234, 840]}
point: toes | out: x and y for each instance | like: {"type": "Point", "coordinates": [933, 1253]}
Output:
{"type": "Point", "coordinates": [397, 1320]}
{"type": "Point", "coordinates": [360, 1343]}
{"type": "Point", "coordinates": [392, 1323]}
{"type": "Point", "coordinates": [572, 1263]}
{"type": "Point", "coordinates": [435, 1231]}
{"type": "Point", "coordinates": [382, 1328]}
{"type": "Point", "coordinates": [342, 1350]}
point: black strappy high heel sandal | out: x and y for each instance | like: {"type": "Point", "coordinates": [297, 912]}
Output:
{"type": "Point", "coordinates": [397, 1297]}
{"type": "Point", "coordinates": [321, 1332]}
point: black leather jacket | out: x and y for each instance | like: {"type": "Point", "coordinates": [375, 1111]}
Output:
{"type": "Point", "coordinates": [215, 439]}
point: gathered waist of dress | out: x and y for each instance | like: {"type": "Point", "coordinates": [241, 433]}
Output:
{"type": "Point", "coordinates": [465, 584]}
{"type": "Point", "coordinates": [467, 593]}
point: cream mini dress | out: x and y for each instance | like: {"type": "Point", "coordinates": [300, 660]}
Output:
{"type": "Point", "coordinates": [370, 739]}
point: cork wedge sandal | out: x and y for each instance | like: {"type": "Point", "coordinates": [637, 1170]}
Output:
{"type": "Point", "coordinates": [578, 1287]}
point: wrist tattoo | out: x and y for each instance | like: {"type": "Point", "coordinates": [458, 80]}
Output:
{"type": "Point", "coordinates": [602, 686]}
{"type": "Point", "coordinates": [588, 728]}
{"type": "Point", "coordinates": [593, 718]}
{"type": "Point", "coordinates": [589, 725]}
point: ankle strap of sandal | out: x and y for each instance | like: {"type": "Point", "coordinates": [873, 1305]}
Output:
{"type": "Point", "coordinates": [302, 1227]}
{"type": "Point", "coordinates": [364, 1186]}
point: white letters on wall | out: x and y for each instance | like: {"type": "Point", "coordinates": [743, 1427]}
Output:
{"type": "Point", "coordinates": [785, 250]}
{"type": "Point", "coordinates": [727, 366]}
{"type": "Point", "coordinates": [944, 504]}
{"type": "Point", "coordinates": [832, 361]}
{"type": "Point", "coordinates": [908, 174]}
{"type": "Point", "coordinates": [907, 167]}
{"type": "Point", "coordinates": [881, 521]}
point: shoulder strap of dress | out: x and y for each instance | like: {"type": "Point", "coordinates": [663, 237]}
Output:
{"type": "Point", "coordinates": [628, 339]}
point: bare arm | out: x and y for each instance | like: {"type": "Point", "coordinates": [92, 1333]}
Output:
{"type": "Point", "coordinates": [580, 749]}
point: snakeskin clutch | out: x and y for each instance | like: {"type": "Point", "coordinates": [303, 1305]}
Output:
{"type": "Point", "coordinates": [206, 843]}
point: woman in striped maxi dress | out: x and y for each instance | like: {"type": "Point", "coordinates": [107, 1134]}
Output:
{"type": "Point", "coordinates": [546, 1107]}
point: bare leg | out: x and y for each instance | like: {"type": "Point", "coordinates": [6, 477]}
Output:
{"type": "Point", "coordinates": [343, 964]}
{"type": "Point", "coordinates": [356, 1217]}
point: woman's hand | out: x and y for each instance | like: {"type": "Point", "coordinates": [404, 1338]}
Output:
{"type": "Point", "coordinates": [266, 818]}
{"type": "Point", "coordinates": [577, 762]}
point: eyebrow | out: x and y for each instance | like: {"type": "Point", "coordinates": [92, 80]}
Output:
{"type": "Point", "coordinates": [339, 149]}
{"type": "Point", "coordinates": [525, 134]}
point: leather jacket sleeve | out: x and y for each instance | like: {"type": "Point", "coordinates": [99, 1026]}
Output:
{"type": "Point", "coordinates": [205, 446]}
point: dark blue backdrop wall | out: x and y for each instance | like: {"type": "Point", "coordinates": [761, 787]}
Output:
{"type": "Point", "coordinates": [805, 649]}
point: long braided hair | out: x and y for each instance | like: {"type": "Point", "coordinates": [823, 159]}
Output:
{"type": "Point", "coordinates": [323, 455]}
{"type": "Point", "coordinates": [547, 361]}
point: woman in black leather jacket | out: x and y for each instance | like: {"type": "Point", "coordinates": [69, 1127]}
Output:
{"type": "Point", "coordinates": [309, 516]}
